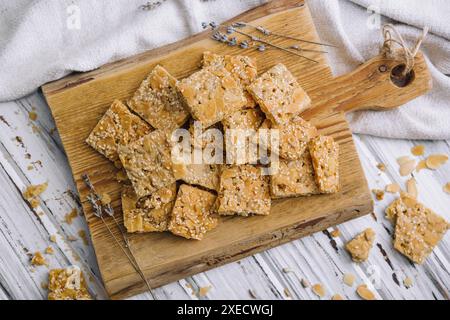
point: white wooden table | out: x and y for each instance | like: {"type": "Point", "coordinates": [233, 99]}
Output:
{"type": "Point", "coordinates": [31, 153]}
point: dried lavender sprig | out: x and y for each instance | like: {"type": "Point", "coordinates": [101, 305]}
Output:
{"type": "Point", "coordinates": [150, 5]}
{"type": "Point", "coordinates": [268, 32]}
{"type": "Point", "coordinates": [256, 39]}
{"type": "Point", "coordinates": [297, 47]}
{"type": "Point", "coordinates": [94, 199]}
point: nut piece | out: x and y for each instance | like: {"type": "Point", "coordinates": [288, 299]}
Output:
{"type": "Point", "coordinates": [191, 215]}
{"type": "Point", "coordinates": [392, 188]}
{"type": "Point", "coordinates": [67, 284]}
{"type": "Point", "coordinates": [360, 246]}
{"type": "Point", "coordinates": [118, 126]}
{"type": "Point", "coordinates": [148, 163]}
{"type": "Point", "coordinates": [408, 282]}
{"type": "Point", "coordinates": [418, 150]}
{"type": "Point", "coordinates": [379, 194]}
{"type": "Point", "coordinates": [407, 167]}
{"type": "Point", "coordinates": [279, 95]}
{"type": "Point", "coordinates": [349, 279]}
{"type": "Point", "coordinates": [243, 191]}
{"type": "Point", "coordinates": [365, 293]}
{"type": "Point", "coordinates": [447, 188]}
{"type": "Point", "coordinates": [325, 158]}
{"type": "Point", "coordinates": [418, 229]}
{"type": "Point", "coordinates": [381, 167]}
{"type": "Point", "coordinates": [294, 137]}
{"type": "Point", "coordinates": [421, 165]}
{"type": "Point", "coordinates": [436, 160]}
{"type": "Point", "coordinates": [319, 290]}
{"type": "Point", "coordinates": [157, 101]}
{"type": "Point", "coordinates": [337, 296]}
{"type": "Point", "coordinates": [209, 98]}
{"type": "Point", "coordinates": [294, 178]}
{"type": "Point", "coordinates": [411, 188]}
{"type": "Point", "coordinates": [148, 214]}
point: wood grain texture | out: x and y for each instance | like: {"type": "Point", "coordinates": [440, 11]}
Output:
{"type": "Point", "coordinates": [166, 258]}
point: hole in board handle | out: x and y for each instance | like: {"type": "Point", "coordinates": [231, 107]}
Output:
{"type": "Point", "coordinates": [399, 79]}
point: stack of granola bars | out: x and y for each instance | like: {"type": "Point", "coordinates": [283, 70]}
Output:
{"type": "Point", "coordinates": [227, 95]}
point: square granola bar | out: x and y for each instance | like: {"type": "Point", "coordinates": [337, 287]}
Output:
{"type": "Point", "coordinates": [158, 102]}
{"type": "Point", "coordinates": [209, 97]}
{"type": "Point", "coordinates": [243, 191]}
{"type": "Point", "coordinates": [294, 178]}
{"type": "Point", "coordinates": [241, 140]}
{"type": "Point", "coordinates": [67, 284]}
{"type": "Point", "coordinates": [204, 175]}
{"type": "Point", "coordinates": [191, 215]}
{"type": "Point", "coordinates": [325, 156]}
{"type": "Point", "coordinates": [148, 214]}
{"type": "Point", "coordinates": [294, 137]}
{"type": "Point", "coordinates": [418, 229]}
{"type": "Point", "coordinates": [118, 126]}
{"type": "Point", "coordinates": [279, 95]}
{"type": "Point", "coordinates": [148, 163]}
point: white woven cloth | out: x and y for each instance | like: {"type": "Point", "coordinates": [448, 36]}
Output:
{"type": "Point", "coordinates": [354, 28]}
{"type": "Point", "coordinates": [43, 40]}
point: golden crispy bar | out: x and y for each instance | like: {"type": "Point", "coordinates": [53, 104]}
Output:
{"type": "Point", "coordinates": [243, 191]}
{"type": "Point", "coordinates": [360, 246]}
{"type": "Point", "coordinates": [279, 95]}
{"type": "Point", "coordinates": [191, 215]}
{"type": "Point", "coordinates": [294, 137]}
{"type": "Point", "coordinates": [325, 156]}
{"type": "Point", "coordinates": [118, 126]}
{"type": "Point", "coordinates": [294, 178]}
{"type": "Point", "coordinates": [248, 119]}
{"type": "Point", "coordinates": [148, 214]}
{"type": "Point", "coordinates": [148, 163]}
{"type": "Point", "coordinates": [67, 284]}
{"type": "Point", "coordinates": [418, 229]}
{"type": "Point", "coordinates": [209, 97]}
{"type": "Point", "coordinates": [205, 175]}
{"type": "Point", "coordinates": [157, 101]}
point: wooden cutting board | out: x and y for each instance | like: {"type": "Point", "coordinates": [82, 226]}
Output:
{"type": "Point", "coordinates": [78, 102]}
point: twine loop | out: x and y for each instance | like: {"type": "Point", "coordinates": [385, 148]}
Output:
{"type": "Point", "coordinates": [395, 47]}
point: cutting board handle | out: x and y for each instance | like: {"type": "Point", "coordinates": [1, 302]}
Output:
{"type": "Point", "coordinates": [377, 84]}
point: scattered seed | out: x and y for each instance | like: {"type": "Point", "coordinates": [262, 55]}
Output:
{"type": "Point", "coordinates": [70, 216]}
{"type": "Point", "coordinates": [252, 294]}
{"type": "Point", "coordinates": [349, 279]}
{"type": "Point", "coordinates": [203, 291]}
{"type": "Point", "coordinates": [408, 282]}
{"type": "Point", "coordinates": [381, 167]}
{"type": "Point", "coordinates": [379, 194]}
{"type": "Point", "coordinates": [411, 188]}
{"type": "Point", "coordinates": [53, 238]}
{"type": "Point", "coordinates": [365, 293]}
{"type": "Point", "coordinates": [319, 290]}
{"type": "Point", "coordinates": [392, 188]}
{"type": "Point", "coordinates": [447, 188]}
{"type": "Point", "coordinates": [335, 233]}
{"type": "Point", "coordinates": [287, 270]}
{"type": "Point", "coordinates": [418, 150]}
{"type": "Point", "coordinates": [337, 296]}
{"type": "Point", "coordinates": [436, 160]}
{"type": "Point", "coordinates": [49, 250]}
{"type": "Point", "coordinates": [287, 293]}
{"type": "Point", "coordinates": [407, 167]}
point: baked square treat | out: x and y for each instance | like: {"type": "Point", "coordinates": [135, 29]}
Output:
{"type": "Point", "coordinates": [294, 178]}
{"type": "Point", "coordinates": [204, 175]}
{"type": "Point", "coordinates": [243, 191]}
{"type": "Point", "coordinates": [158, 102]}
{"type": "Point", "coordinates": [67, 284]}
{"type": "Point", "coordinates": [360, 246]}
{"type": "Point", "coordinates": [241, 140]}
{"type": "Point", "coordinates": [209, 97]}
{"type": "Point", "coordinates": [418, 229]}
{"type": "Point", "coordinates": [148, 214]}
{"type": "Point", "coordinates": [118, 126]}
{"type": "Point", "coordinates": [279, 95]}
{"type": "Point", "coordinates": [325, 157]}
{"type": "Point", "coordinates": [294, 137]}
{"type": "Point", "coordinates": [191, 215]}
{"type": "Point", "coordinates": [148, 163]}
